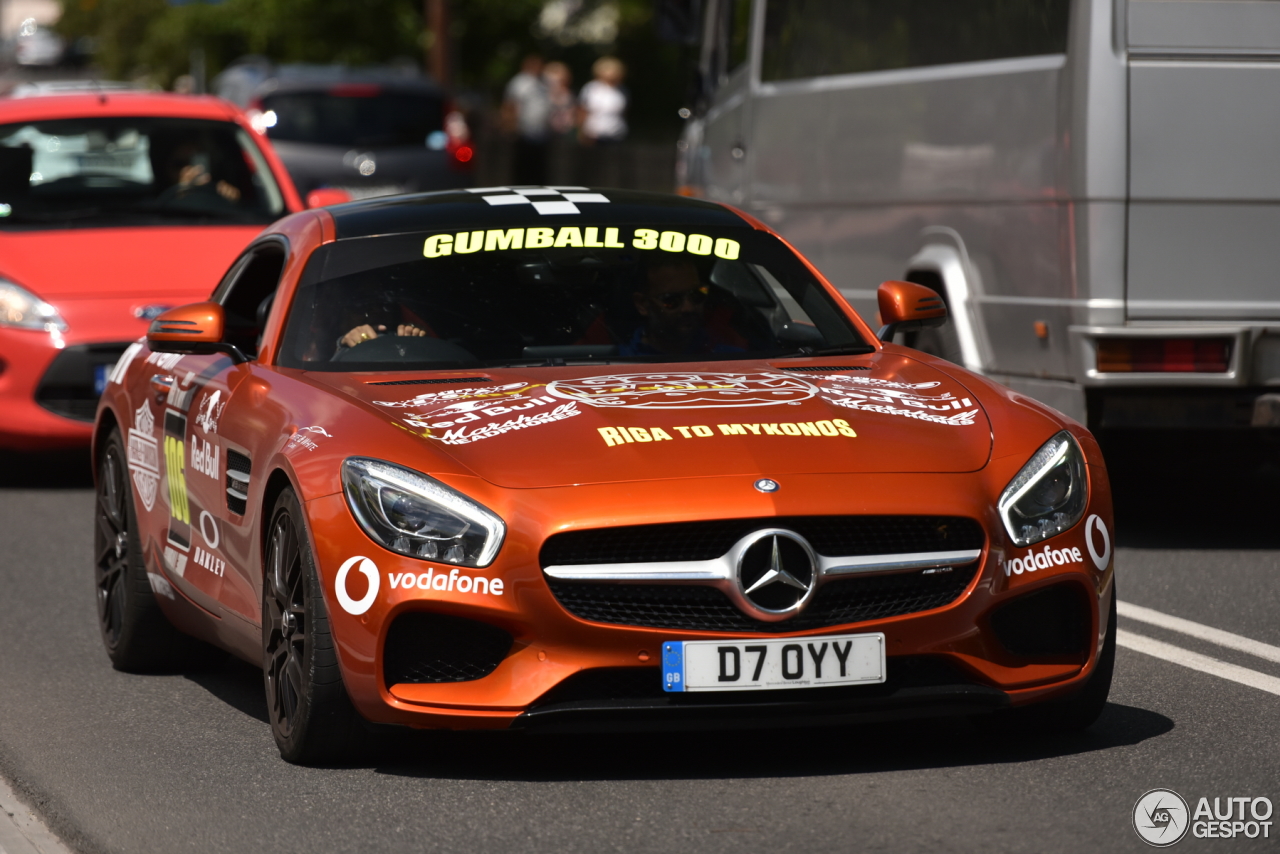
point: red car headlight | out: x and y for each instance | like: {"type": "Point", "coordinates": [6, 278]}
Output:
{"type": "Point", "coordinates": [24, 310]}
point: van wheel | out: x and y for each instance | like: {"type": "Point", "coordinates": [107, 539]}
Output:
{"type": "Point", "coordinates": [312, 717]}
{"type": "Point", "coordinates": [137, 635]}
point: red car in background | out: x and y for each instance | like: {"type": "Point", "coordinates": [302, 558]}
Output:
{"type": "Point", "coordinates": [114, 207]}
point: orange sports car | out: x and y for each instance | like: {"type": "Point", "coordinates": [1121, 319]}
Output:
{"type": "Point", "coordinates": [561, 458]}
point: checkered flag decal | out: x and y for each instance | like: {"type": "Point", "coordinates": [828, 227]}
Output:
{"type": "Point", "coordinates": [545, 200]}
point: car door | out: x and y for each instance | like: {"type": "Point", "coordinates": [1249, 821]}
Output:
{"type": "Point", "coordinates": [208, 552]}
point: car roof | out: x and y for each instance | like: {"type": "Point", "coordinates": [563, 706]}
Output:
{"type": "Point", "coordinates": [114, 103]}
{"type": "Point", "coordinates": [517, 206]}
{"type": "Point", "coordinates": [309, 77]}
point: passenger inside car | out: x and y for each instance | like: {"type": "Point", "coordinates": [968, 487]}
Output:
{"type": "Point", "coordinates": [672, 302]}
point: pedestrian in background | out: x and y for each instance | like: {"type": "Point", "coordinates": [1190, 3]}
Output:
{"type": "Point", "coordinates": [526, 110]}
{"type": "Point", "coordinates": [602, 105]}
{"type": "Point", "coordinates": [562, 152]}
{"type": "Point", "coordinates": [564, 107]}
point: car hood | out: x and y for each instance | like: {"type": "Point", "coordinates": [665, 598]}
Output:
{"type": "Point", "coordinates": [178, 264]}
{"type": "Point", "coordinates": [560, 426]}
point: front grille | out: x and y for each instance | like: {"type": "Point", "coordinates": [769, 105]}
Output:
{"type": "Point", "coordinates": [611, 684]}
{"type": "Point", "coordinates": [698, 608]}
{"type": "Point", "coordinates": [826, 369]}
{"type": "Point", "coordinates": [70, 386]}
{"type": "Point", "coordinates": [239, 467]}
{"type": "Point", "coordinates": [429, 648]}
{"type": "Point", "coordinates": [434, 381]}
{"type": "Point", "coordinates": [836, 536]}
{"type": "Point", "coordinates": [1053, 621]}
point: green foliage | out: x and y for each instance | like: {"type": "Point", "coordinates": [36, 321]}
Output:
{"type": "Point", "coordinates": [151, 38]}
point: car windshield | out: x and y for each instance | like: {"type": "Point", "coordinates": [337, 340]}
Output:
{"type": "Point", "coordinates": [559, 295]}
{"type": "Point", "coordinates": [133, 171]}
{"type": "Point", "coordinates": [353, 115]}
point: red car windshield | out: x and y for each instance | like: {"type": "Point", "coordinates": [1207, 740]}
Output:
{"type": "Point", "coordinates": [133, 171]}
{"type": "Point", "coordinates": [556, 295]}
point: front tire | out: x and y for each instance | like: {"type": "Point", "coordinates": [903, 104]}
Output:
{"type": "Point", "coordinates": [312, 717]}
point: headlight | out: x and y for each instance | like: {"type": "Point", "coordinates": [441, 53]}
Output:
{"type": "Point", "coordinates": [23, 309]}
{"type": "Point", "coordinates": [1048, 495]}
{"type": "Point", "coordinates": [414, 515]}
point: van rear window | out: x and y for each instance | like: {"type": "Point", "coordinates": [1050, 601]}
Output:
{"type": "Point", "coordinates": [814, 38]}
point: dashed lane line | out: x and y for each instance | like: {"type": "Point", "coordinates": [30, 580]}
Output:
{"type": "Point", "coordinates": [1196, 661]}
{"type": "Point", "coordinates": [1198, 630]}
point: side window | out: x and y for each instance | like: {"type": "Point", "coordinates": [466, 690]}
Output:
{"type": "Point", "coordinates": [245, 296]}
{"type": "Point", "coordinates": [813, 38]}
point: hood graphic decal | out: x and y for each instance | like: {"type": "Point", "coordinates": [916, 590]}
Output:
{"type": "Point", "coordinates": [685, 390]}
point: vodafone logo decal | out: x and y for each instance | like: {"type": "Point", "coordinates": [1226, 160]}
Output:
{"type": "Point", "coordinates": [1103, 558]}
{"type": "Point", "coordinates": [369, 569]}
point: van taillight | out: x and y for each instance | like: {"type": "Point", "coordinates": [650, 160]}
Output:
{"type": "Point", "coordinates": [1164, 355]}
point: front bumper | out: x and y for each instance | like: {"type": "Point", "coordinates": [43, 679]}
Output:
{"type": "Point", "coordinates": [944, 660]}
{"type": "Point", "coordinates": [48, 395]}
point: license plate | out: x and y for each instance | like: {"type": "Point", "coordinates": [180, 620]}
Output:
{"type": "Point", "coordinates": [772, 665]}
{"type": "Point", "coordinates": [100, 374]}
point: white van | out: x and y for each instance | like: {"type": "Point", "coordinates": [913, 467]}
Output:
{"type": "Point", "coordinates": [1092, 185]}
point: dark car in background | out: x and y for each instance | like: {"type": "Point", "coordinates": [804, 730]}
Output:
{"type": "Point", "coordinates": [366, 132]}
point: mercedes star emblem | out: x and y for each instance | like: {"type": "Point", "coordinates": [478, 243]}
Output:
{"type": "Point", "coordinates": [777, 574]}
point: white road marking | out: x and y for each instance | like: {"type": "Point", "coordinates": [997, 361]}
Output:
{"type": "Point", "coordinates": [1196, 661]}
{"type": "Point", "coordinates": [1198, 630]}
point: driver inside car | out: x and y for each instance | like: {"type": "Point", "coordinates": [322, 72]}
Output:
{"type": "Point", "coordinates": [367, 332]}
{"type": "Point", "coordinates": [184, 166]}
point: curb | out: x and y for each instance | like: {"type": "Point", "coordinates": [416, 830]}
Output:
{"type": "Point", "coordinates": [22, 831]}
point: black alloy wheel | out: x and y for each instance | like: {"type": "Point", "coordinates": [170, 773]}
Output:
{"type": "Point", "coordinates": [311, 715]}
{"type": "Point", "coordinates": [135, 631]}
{"type": "Point", "coordinates": [112, 544]}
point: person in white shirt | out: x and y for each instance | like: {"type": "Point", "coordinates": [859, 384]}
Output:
{"type": "Point", "coordinates": [603, 103]}
{"type": "Point", "coordinates": [602, 125]}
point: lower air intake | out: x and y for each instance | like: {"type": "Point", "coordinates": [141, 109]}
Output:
{"type": "Point", "coordinates": [73, 382]}
{"type": "Point", "coordinates": [1054, 621]}
{"type": "Point", "coordinates": [432, 648]}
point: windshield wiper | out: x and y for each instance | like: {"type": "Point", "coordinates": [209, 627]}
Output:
{"type": "Point", "coordinates": [238, 217]}
{"type": "Point", "coordinates": [846, 350]}
{"type": "Point", "coordinates": [560, 361]}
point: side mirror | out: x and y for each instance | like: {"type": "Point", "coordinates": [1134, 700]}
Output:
{"type": "Point", "coordinates": [326, 196]}
{"type": "Point", "coordinates": [195, 329]}
{"type": "Point", "coordinates": [906, 306]}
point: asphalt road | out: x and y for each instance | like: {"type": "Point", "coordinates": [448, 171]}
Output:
{"type": "Point", "coordinates": [185, 762]}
